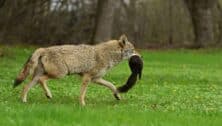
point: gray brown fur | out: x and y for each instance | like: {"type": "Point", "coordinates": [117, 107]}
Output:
{"type": "Point", "coordinates": [91, 62]}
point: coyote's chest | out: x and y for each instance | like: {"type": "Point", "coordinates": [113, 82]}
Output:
{"type": "Point", "coordinates": [102, 71]}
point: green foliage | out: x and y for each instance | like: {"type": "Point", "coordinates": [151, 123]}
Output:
{"type": "Point", "coordinates": [178, 87]}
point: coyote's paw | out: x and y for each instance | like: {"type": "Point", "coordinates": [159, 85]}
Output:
{"type": "Point", "coordinates": [82, 103]}
{"type": "Point", "coordinates": [24, 100]}
{"type": "Point", "coordinates": [117, 96]}
{"type": "Point", "coordinates": [48, 95]}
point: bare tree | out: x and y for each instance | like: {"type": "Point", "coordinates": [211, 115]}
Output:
{"type": "Point", "coordinates": [104, 20]}
{"type": "Point", "coordinates": [2, 2]}
{"type": "Point", "coordinates": [219, 37]}
{"type": "Point", "coordinates": [202, 18]}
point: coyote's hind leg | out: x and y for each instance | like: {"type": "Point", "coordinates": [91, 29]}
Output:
{"type": "Point", "coordinates": [43, 84]}
{"type": "Point", "coordinates": [28, 87]}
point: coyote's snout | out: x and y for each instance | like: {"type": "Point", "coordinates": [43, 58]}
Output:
{"type": "Point", "coordinates": [90, 62]}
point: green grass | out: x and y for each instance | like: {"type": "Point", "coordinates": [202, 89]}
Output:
{"type": "Point", "coordinates": [178, 88]}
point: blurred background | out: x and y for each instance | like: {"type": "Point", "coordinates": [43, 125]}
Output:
{"type": "Point", "coordinates": [147, 23]}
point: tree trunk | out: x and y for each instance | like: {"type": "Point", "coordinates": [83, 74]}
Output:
{"type": "Point", "coordinates": [104, 21]}
{"type": "Point", "coordinates": [219, 39]}
{"type": "Point", "coordinates": [2, 2]}
{"type": "Point", "coordinates": [203, 23]}
{"type": "Point", "coordinates": [202, 19]}
{"type": "Point", "coordinates": [170, 39]}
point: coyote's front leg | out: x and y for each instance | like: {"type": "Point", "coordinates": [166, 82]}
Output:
{"type": "Point", "coordinates": [85, 81]}
{"type": "Point", "coordinates": [109, 85]}
{"type": "Point", "coordinates": [42, 81]}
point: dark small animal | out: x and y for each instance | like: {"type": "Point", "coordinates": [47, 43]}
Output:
{"type": "Point", "coordinates": [136, 66]}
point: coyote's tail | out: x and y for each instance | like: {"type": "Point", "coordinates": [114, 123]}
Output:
{"type": "Point", "coordinates": [136, 66]}
{"type": "Point", "coordinates": [28, 67]}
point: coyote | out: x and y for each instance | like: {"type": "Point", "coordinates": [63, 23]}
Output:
{"type": "Point", "coordinates": [91, 62]}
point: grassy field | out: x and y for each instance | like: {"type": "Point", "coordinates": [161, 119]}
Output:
{"type": "Point", "coordinates": [178, 88]}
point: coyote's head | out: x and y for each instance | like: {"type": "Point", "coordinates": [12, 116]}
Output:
{"type": "Point", "coordinates": [127, 47]}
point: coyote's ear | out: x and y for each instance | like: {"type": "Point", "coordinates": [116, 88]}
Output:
{"type": "Point", "coordinates": [122, 40]}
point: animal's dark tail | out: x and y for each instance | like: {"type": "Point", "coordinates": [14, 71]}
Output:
{"type": "Point", "coordinates": [129, 84]}
{"type": "Point", "coordinates": [136, 66]}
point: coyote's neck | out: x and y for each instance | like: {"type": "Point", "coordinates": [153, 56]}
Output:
{"type": "Point", "coordinates": [110, 53]}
